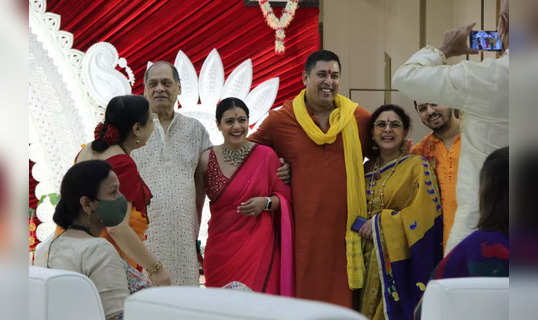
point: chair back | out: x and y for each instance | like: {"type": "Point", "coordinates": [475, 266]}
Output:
{"type": "Point", "coordinates": [466, 298]}
{"type": "Point", "coordinates": [63, 295]}
{"type": "Point", "coordinates": [167, 303]}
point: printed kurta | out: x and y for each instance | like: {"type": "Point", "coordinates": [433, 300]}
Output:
{"type": "Point", "coordinates": [167, 164]}
{"type": "Point", "coordinates": [318, 184]}
{"type": "Point", "coordinates": [445, 162]}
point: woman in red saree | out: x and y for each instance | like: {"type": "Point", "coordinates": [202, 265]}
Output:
{"type": "Point", "coordinates": [127, 126]}
{"type": "Point", "coordinates": [250, 230]}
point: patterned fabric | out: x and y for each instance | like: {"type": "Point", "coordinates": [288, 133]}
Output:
{"type": "Point", "coordinates": [445, 163]}
{"type": "Point", "coordinates": [215, 179]}
{"type": "Point", "coordinates": [236, 285]}
{"type": "Point", "coordinates": [167, 164]}
{"type": "Point", "coordinates": [480, 90]}
{"type": "Point", "coordinates": [136, 280]}
{"type": "Point", "coordinates": [407, 234]}
{"type": "Point", "coordinates": [481, 254]}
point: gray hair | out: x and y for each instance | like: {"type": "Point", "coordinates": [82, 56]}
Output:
{"type": "Point", "coordinates": [175, 74]}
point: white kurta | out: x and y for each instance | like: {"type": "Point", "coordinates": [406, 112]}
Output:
{"type": "Point", "coordinates": [167, 164]}
{"type": "Point", "coordinates": [480, 89]}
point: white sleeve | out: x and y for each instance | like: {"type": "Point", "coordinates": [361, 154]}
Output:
{"type": "Point", "coordinates": [426, 78]}
{"type": "Point", "coordinates": [103, 266]}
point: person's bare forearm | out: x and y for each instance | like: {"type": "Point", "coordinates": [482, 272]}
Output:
{"type": "Point", "coordinates": [200, 193]}
{"type": "Point", "coordinates": [131, 245]}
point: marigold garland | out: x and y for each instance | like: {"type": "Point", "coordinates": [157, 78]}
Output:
{"type": "Point", "coordinates": [278, 24]}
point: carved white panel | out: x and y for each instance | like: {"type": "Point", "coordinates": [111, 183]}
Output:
{"type": "Point", "coordinates": [100, 75]}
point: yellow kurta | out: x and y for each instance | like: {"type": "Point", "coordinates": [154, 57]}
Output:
{"type": "Point", "coordinates": [409, 208]}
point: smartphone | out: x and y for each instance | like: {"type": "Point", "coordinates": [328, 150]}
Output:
{"type": "Point", "coordinates": [356, 226]}
{"type": "Point", "coordinates": [485, 40]}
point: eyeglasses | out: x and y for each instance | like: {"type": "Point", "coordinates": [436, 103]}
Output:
{"type": "Point", "coordinates": [382, 124]}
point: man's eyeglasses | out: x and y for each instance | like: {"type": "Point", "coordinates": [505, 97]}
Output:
{"type": "Point", "coordinates": [382, 124]}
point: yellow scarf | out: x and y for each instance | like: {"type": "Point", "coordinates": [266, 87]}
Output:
{"type": "Point", "coordinates": [342, 119]}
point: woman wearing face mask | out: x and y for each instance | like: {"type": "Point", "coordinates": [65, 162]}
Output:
{"type": "Point", "coordinates": [250, 229]}
{"type": "Point", "coordinates": [401, 232]}
{"type": "Point", "coordinates": [128, 125]}
{"type": "Point", "coordinates": [90, 201]}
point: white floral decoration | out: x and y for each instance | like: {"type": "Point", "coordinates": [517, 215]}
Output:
{"type": "Point", "coordinates": [279, 24]}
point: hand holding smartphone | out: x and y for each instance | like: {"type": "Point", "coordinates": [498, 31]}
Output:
{"type": "Point", "coordinates": [359, 222]}
{"type": "Point", "coordinates": [485, 40]}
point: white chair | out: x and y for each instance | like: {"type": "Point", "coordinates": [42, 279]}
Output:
{"type": "Point", "coordinates": [167, 303]}
{"type": "Point", "coordinates": [466, 298]}
{"type": "Point", "coordinates": [63, 295]}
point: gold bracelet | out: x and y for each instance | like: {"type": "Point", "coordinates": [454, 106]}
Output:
{"type": "Point", "coordinates": [154, 268]}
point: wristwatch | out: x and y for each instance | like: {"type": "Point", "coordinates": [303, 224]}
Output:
{"type": "Point", "coordinates": [268, 203]}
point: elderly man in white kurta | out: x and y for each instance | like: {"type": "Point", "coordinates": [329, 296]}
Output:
{"type": "Point", "coordinates": [480, 89]}
{"type": "Point", "coordinates": [168, 165]}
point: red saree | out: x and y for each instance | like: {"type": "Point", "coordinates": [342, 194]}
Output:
{"type": "Point", "coordinates": [254, 250]}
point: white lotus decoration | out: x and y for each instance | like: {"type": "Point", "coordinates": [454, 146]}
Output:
{"type": "Point", "coordinates": [210, 88]}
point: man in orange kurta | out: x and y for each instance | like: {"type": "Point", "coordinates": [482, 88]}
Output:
{"type": "Point", "coordinates": [318, 183]}
{"type": "Point", "coordinates": [442, 148]}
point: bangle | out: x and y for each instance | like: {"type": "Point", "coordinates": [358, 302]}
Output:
{"type": "Point", "coordinates": [154, 268]}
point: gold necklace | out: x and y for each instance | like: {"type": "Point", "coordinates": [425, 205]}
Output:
{"type": "Point", "coordinates": [374, 202]}
{"type": "Point", "coordinates": [237, 156]}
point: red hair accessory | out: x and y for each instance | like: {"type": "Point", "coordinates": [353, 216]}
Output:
{"type": "Point", "coordinates": [111, 135]}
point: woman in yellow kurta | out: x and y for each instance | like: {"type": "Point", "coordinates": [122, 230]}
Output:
{"type": "Point", "coordinates": [405, 221]}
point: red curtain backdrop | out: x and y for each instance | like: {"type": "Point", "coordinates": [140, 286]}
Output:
{"type": "Point", "coordinates": [151, 30]}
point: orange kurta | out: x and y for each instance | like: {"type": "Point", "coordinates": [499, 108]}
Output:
{"type": "Point", "coordinates": [318, 183]}
{"type": "Point", "coordinates": [445, 163]}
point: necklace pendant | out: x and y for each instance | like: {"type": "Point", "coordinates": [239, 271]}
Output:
{"type": "Point", "coordinates": [377, 175]}
{"type": "Point", "coordinates": [235, 157]}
